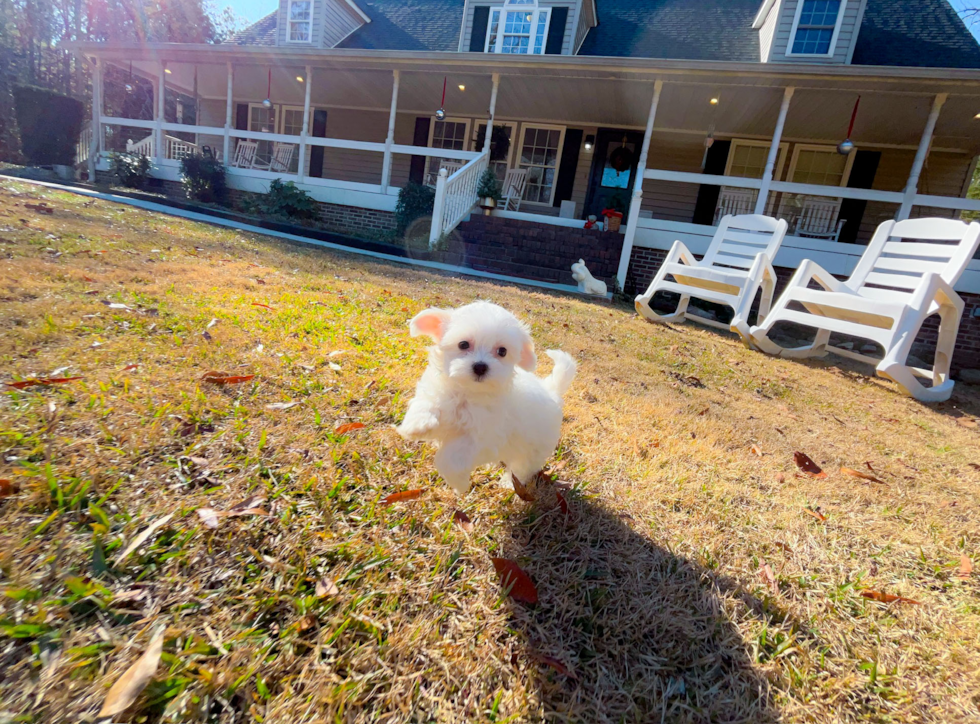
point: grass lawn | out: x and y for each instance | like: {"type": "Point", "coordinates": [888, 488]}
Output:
{"type": "Point", "coordinates": [697, 576]}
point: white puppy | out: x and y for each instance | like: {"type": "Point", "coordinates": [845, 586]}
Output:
{"type": "Point", "coordinates": [479, 400]}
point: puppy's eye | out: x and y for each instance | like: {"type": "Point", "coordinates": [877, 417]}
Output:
{"type": "Point", "coordinates": [464, 345]}
{"type": "Point", "coordinates": [502, 351]}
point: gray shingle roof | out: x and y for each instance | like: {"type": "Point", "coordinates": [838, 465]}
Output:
{"type": "Point", "coordinates": [923, 33]}
{"type": "Point", "coordinates": [409, 25]}
{"type": "Point", "coordinates": [261, 32]}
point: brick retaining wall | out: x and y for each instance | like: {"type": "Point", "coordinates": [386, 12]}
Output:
{"type": "Point", "coordinates": [644, 264]}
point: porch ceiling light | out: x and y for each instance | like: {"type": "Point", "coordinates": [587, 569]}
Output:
{"type": "Point", "coordinates": [299, 78]}
{"type": "Point", "coordinates": [589, 142]}
{"type": "Point", "coordinates": [462, 87]}
{"type": "Point", "coordinates": [713, 101]}
{"type": "Point", "coordinates": [977, 117]}
{"type": "Point", "coordinates": [168, 71]}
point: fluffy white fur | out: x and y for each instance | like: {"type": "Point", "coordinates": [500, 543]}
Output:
{"type": "Point", "coordinates": [478, 400]}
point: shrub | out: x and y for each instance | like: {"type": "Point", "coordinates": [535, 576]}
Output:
{"type": "Point", "coordinates": [49, 123]}
{"type": "Point", "coordinates": [130, 169]}
{"type": "Point", "coordinates": [204, 178]}
{"type": "Point", "coordinates": [489, 186]}
{"type": "Point", "coordinates": [414, 201]}
{"type": "Point", "coordinates": [286, 201]}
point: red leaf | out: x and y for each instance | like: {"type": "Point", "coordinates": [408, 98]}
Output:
{"type": "Point", "coordinates": [403, 496]}
{"type": "Point", "coordinates": [258, 304]}
{"type": "Point", "coordinates": [220, 378]}
{"type": "Point", "coordinates": [966, 567]}
{"type": "Point", "coordinates": [804, 463]}
{"type": "Point", "coordinates": [463, 521]}
{"type": "Point", "coordinates": [127, 368]}
{"type": "Point", "coordinates": [816, 514]}
{"type": "Point", "coordinates": [344, 429]}
{"type": "Point", "coordinates": [33, 382]}
{"type": "Point", "coordinates": [554, 664]}
{"type": "Point", "coordinates": [766, 572]}
{"type": "Point", "coordinates": [519, 488]}
{"type": "Point", "coordinates": [864, 476]}
{"type": "Point", "coordinates": [8, 487]}
{"type": "Point", "coordinates": [887, 597]}
{"type": "Point", "coordinates": [562, 503]}
{"type": "Point", "coordinates": [513, 577]}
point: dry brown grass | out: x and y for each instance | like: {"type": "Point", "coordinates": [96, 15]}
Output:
{"type": "Point", "coordinates": [653, 593]}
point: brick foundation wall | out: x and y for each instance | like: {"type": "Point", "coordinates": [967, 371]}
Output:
{"type": "Point", "coordinates": [538, 251]}
{"type": "Point", "coordinates": [644, 264]}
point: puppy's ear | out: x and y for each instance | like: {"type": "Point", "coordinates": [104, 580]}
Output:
{"type": "Point", "coordinates": [430, 322]}
{"type": "Point", "coordinates": [528, 360]}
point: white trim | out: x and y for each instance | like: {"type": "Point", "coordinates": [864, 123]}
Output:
{"type": "Point", "coordinates": [281, 118]}
{"type": "Point", "coordinates": [466, 139]}
{"type": "Point", "coordinates": [833, 38]}
{"type": "Point", "coordinates": [780, 162]}
{"type": "Point", "coordinates": [289, 9]}
{"type": "Point", "coordinates": [848, 163]}
{"type": "Point", "coordinates": [536, 10]}
{"type": "Point", "coordinates": [561, 145]}
{"type": "Point", "coordinates": [760, 17]}
{"type": "Point", "coordinates": [357, 10]}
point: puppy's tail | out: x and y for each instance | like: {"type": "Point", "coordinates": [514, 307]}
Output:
{"type": "Point", "coordinates": [562, 375]}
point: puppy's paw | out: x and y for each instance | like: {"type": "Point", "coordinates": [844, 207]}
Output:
{"type": "Point", "coordinates": [418, 426]}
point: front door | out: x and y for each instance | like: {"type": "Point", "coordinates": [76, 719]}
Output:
{"type": "Point", "coordinates": [613, 174]}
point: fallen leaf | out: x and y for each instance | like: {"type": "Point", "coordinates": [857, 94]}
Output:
{"type": "Point", "coordinates": [334, 366]}
{"type": "Point", "coordinates": [220, 378]}
{"type": "Point", "coordinates": [128, 686]}
{"type": "Point", "coordinates": [42, 208]}
{"type": "Point", "coordinates": [783, 547]}
{"type": "Point", "coordinates": [260, 281]}
{"type": "Point", "coordinates": [704, 412]}
{"type": "Point", "coordinates": [463, 521]}
{"type": "Point", "coordinates": [209, 516]}
{"type": "Point", "coordinates": [281, 405]}
{"type": "Point", "coordinates": [966, 422]}
{"type": "Point", "coordinates": [258, 304]}
{"type": "Point", "coordinates": [519, 488]}
{"type": "Point", "coordinates": [199, 462]}
{"type": "Point", "coordinates": [864, 476]}
{"type": "Point", "coordinates": [348, 427]}
{"type": "Point", "coordinates": [250, 503]}
{"type": "Point", "coordinates": [887, 597]}
{"type": "Point", "coordinates": [966, 568]}
{"type": "Point", "coordinates": [34, 381]}
{"type": "Point", "coordinates": [403, 496]}
{"type": "Point", "coordinates": [804, 463]}
{"type": "Point", "coordinates": [562, 503]}
{"type": "Point", "coordinates": [816, 514]}
{"type": "Point", "coordinates": [975, 466]}
{"type": "Point", "coordinates": [326, 587]}
{"type": "Point", "coordinates": [142, 537]}
{"type": "Point", "coordinates": [780, 478]}
{"type": "Point", "coordinates": [127, 368]}
{"type": "Point", "coordinates": [8, 487]}
{"type": "Point", "coordinates": [757, 450]}
{"type": "Point", "coordinates": [512, 577]}
{"type": "Point", "coordinates": [554, 664]}
{"type": "Point", "coordinates": [770, 578]}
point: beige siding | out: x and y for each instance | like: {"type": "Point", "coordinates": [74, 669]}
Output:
{"type": "Point", "coordinates": [566, 47]}
{"type": "Point", "coordinates": [673, 152]}
{"type": "Point", "coordinates": [853, 11]}
{"type": "Point", "coordinates": [768, 31]}
{"type": "Point", "coordinates": [317, 33]}
{"type": "Point", "coordinates": [339, 21]}
{"type": "Point", "coordinates": [344, 164]}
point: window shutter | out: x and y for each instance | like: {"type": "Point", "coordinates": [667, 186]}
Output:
{"type": "Point", "coordinates": [569, 164]}
{"type": "Point", "coordinates": [316, 152]}
{"type": "Point", "coordinates": [416, 172]}
{"type": "Point", "coordinates": [478, 36]}
{"type": "Point", "coordinates": [241, 117]}
{"type": "Point", "coordinates": [863, 172]}
{"type": "Point", "coordinates": [704, 209]}
{"type": "Point", "coordinates": [556, 31]}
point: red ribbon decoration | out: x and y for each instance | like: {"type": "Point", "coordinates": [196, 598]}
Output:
{"type": "Point", "coordinates": [853, 116]}
{"type": "Point", "coordinates": [444, 80]}
{"type": "Point", "coordinates": [268, 92]}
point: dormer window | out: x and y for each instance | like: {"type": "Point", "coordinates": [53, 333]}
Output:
{"type": "Point", "coordinates": [816, 27]}
{"type": "Point", "coordinates": [299, 24]}
{"type": "Point", "coordinates": [518, 26]}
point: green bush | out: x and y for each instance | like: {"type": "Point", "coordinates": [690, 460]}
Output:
{"type": "Point", "coordinates": [130, 169]}
{"type": "Point", "coordinates": [285, 201]}
{"type": "Point", "coordinates": [204, 178]}
{"type": "Point", "coordinates": [414, 201]}
{"type": "Point", "coordinates": [489, 186]}
{"type": "Point", "coordinates": [49, 123]}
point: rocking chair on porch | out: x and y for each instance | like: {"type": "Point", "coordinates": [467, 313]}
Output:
{"type": "Point", "coordinates": [906, 274]}
{"type": "Point", "coordinates": [738, 262]}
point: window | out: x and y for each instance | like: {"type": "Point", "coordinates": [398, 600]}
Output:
{"type": "Point", "coordinates": [262, 120]}
{"type": "Point", "coordinates": [518, 26]}
{"type": "Point", "coordinates": [820, 165]}
{"type": "Point", "coordinates": [539, 153]}
{"type": "Point", "coordinates": [299, 25]}
{"type": "Point", "coordinates": [292, 125]}
{"type": "Point", "coordinates": [815, 27]}
{"type": "Point", "coordinates": [450, 133]}
{"type": "Point", "coordinates": [747, 159]}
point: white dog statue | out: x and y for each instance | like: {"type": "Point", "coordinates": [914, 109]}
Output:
{"type": "Point", "coordinates": [479, 400]}
{"type": "Point", "coordinates": [586, 282]}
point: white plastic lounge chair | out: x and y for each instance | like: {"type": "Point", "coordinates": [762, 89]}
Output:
{"type": "Point", "coordinates": [245, 153]}
{"type": "Point", "coordinates": [906, 274]}
{"type": "Point", "coordinates": [818, 219]}
{"type": "Point", "coordinates": [737, 263]}
{"type": "Point", "coordinates": [282, 156]}
{"type": "Point", "coordinates": [735, 202]}
{"type": "Point", "coordinates": [514, 183]}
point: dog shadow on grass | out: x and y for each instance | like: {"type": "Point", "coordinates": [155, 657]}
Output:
{"type": "Point", "coordinates": [627, 631]}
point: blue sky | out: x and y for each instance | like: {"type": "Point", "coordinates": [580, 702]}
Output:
{"type": "Point", "coordinates": [252, 10]}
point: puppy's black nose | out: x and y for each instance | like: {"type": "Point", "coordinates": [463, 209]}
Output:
{"type": "Point", "coordinates": [480, 369]}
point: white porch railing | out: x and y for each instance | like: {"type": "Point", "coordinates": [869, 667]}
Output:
{"type": "Point", "coordinates": [455, 196]}
{"type": "Point", "coordinates": [143, 147]}
{"type": "Point", "coordinates": [84, 144]}
{"type": "Point", "coordinates": [174, 148]}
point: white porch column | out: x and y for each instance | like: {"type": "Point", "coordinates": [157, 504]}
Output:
{"type": "Point", "coordinates": [437, 208]}
{"type": "Point", "coordinates": [493, 111]}
{"type": "Point", "coordinates": [158, 150]}
{"type": "Point", "coordinates": [95, 145]}
{"type": "Point", "coordinates": [777, 136]}
{"type": "Point", "coordinates": [641, 167]}
{"type": "Point", "coordinates": [226, 146]}
{"type": "Point", "coordinates": [912, 187]}
{"type": "Point", "coordinates": [390, 138]}
{"type": "Point", "coordinates": [301, 166]}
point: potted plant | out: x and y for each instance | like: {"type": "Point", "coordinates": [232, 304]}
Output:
{"type": "Point", "coordinates": [488, 191]}
{"type": "Point", "coordinates": [614, 211]}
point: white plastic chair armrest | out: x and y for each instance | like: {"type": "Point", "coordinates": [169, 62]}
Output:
{"type": "Point", "coordinates": [680, 252]}
{"type": "Point", "coordinates": [811, 271]}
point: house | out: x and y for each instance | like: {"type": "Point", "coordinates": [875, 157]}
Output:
{"type": "Point", "coordinates": [678, 110]}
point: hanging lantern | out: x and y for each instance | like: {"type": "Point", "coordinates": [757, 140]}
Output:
{"type": "Point", "coordinates": [441, 113]}
{"type": "Point", "coordinates": [845, 147]}
{"type": "Point", "coordinates": [268, 94]}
